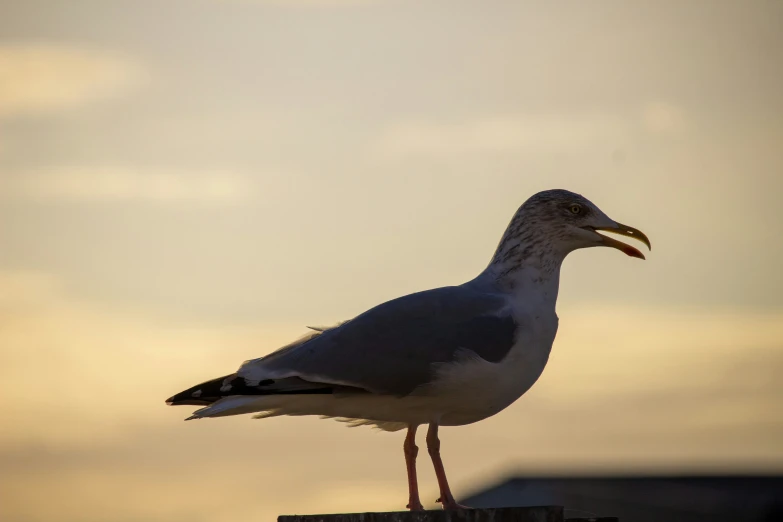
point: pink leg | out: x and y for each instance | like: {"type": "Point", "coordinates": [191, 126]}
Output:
{"type": "Point", "coordinates": [411, 451]}
{"type": "Point", "coordinates": [433, 446]}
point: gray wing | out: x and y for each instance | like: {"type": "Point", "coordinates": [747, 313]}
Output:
{"type": "Point", "coordinates": [391, 349]}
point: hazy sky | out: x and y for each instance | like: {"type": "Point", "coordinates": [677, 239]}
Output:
{"type": "Point", "coordinates": [185, 184]}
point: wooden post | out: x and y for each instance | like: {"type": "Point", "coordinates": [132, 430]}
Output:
{"type": "Point", "coordinates": [516, 514]}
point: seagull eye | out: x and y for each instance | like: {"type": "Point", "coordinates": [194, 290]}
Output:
{"type": "Point", "coordinates": [575, 209]}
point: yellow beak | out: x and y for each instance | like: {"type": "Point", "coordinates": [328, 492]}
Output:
{"type": "Point", "coordinates": [625, 230]}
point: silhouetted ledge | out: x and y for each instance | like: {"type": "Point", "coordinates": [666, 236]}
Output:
{"type": "Point", "coordinates": [517, 514]}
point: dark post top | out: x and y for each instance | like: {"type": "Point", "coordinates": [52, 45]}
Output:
{"type": "Point", "coordinates": [517, 514]}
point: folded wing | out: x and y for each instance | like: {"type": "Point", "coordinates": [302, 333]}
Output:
{"type": "Point", "coordinates": [394, 347]}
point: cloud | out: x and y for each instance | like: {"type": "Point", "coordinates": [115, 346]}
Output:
{"type": "Point", "coordinates": [663, 118]}
{"type": "Point", "coordinates": [22, 289]}
{"type": "Point", "coordinates": [501, 134]}
{"type": "Point", "coordinates": [127, 184]}
{"type": "Point", "coordinates": [42, 78]}
{"type": "Point", "coordinates": [94, 361]}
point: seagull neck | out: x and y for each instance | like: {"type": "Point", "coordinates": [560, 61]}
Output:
{"type": "Point", "coordinates": [524, 263]}
{"type": "Point", "coordinates": [527, 279]}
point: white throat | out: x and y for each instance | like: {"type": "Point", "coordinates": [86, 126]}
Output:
{"type": "Point", "coordinates": [528, 284]}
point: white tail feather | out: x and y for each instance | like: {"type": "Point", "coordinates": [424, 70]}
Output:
{"type": "Point", "coordinates": [233, 405]}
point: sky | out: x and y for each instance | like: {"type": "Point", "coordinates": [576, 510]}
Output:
{"type": "Point", "coordinates": [187, 184]}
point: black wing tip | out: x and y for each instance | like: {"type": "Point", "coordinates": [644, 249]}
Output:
{"type": "Point", "coordinates": [182, 398]}
{"type": "Point", "coordinates": [199, 395]}
{"type": "Point", "coordinates": [186, 401]}
{"type": "Point", "coordinates": [209, 392]}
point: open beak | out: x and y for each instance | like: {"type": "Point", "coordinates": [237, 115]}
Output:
{"type": "Point", "coordinates": [624, 230]}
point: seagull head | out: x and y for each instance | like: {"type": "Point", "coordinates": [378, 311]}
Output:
{"type": "Point", "coordinates": [572, 222]}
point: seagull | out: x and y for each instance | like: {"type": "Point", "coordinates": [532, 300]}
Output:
{"type": "Point", "coordinates": [447, 356]}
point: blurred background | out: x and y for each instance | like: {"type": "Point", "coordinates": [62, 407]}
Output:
{"type": "Point", "coordinates": [186, 184]}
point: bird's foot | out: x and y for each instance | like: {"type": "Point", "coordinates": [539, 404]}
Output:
{"type": "Point", "coordinates": [451, 505]}
{"type": "Point", "coordinates": [415, 506]}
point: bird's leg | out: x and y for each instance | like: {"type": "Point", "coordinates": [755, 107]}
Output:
{"type": "Point", "coordinates": [411, 451]}
{"type": "Point", "coordinates": [433, 446]}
